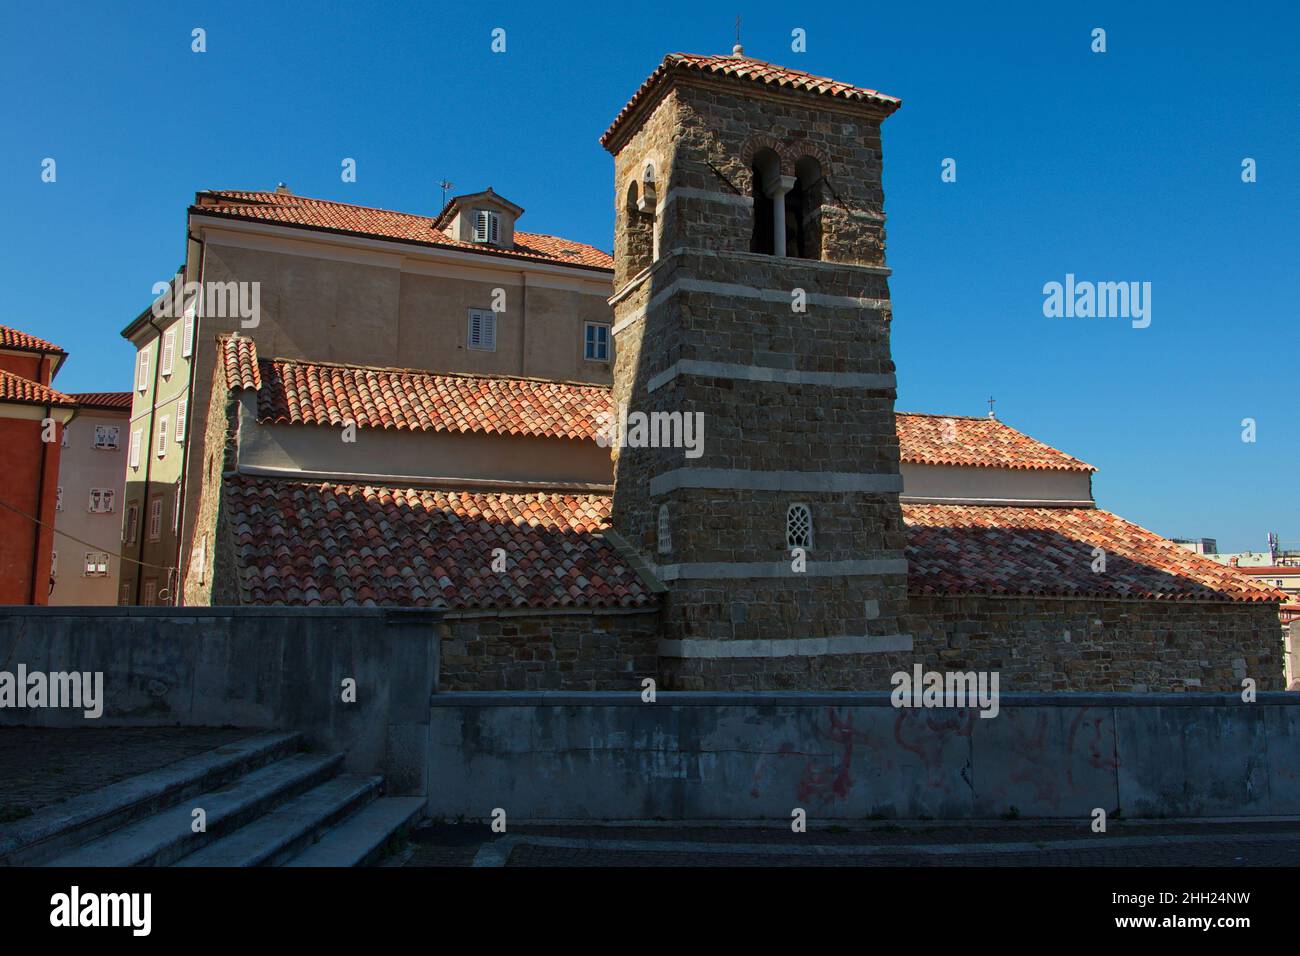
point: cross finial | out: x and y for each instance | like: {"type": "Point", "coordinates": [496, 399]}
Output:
{"type": "Point", "coordinates": [737, 50]}
{"type": "Point", "coordinates": [991, 400]}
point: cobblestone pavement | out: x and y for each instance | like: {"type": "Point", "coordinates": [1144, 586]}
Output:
{"type": "Point", "coordinates": [1129, 845]}
{"type": "Point", "coordinates": [41, 766]}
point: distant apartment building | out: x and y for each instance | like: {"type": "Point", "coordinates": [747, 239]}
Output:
{"type": "Point", "coordinates": [462, 292]}
{"type": "Point", "coordinates": [32, 418]}
{"type": "Point", "coordinates": [1207, 546]}
{"type": "Point", "coordinates": [89, 501]}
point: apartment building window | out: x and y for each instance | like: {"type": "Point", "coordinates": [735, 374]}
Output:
{"type": "Point", "coordinates": [106, 436]}
{"type": "Point", "coordinates": [187, 329]}
{"type": "Point", "coordinates": [137, 437]}
{"type": "Point", "coordinates": [487, 226]}
{"type": "Point", "coordinates": [150, 593]}
{"type": "Point", "coordinates": [124, 598]}
{"type": "Point", "coordinates": [155, 518]}
{"type": "Point", "coordinates": [132, 524]}
{"type": "Point", "coordinates": [96, 564]}
{"type": "Point", "coordinates": [483, 330]}
{"type": "Point", "coordinates": [162, 437]}
{"type": "Point", "coordinates": [595, 342]}
{"type": "Point", "coordinates": [168, 352]}
{"type": "Point", "coordinates": [142, 370]}
{"type": "Point", "coordinates": [182, 409]}
{"type": "Point", "coordinates": [58, 498]}
{"type": "Point", "coordinates": [101, 500]}
{"type": "Point", "coordinates": [176, 509]}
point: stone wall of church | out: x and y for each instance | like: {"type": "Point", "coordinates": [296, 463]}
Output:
{"type": "Point", "coordinates": [1036, 644]}
{"type": "Point", "coordinates": [1046, 644]}
{"type": "Point", "coordinates": [549, 651]}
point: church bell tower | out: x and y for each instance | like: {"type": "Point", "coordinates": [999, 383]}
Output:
{"type": "Point", "coordinates": [751, 295]}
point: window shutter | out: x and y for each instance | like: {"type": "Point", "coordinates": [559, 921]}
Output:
{"type": "Point", "coordinates": [483, 330]}
{"type": "Point", "coordinates": [495, 222]}
{"type": "Point", "coordinates": [187, 333]}
{"type": "Point", "coordinates": [168, 351]}
{"type": "Point", "coordinates": [142, 379]}
{"type": "Point", "coordinates": [135, 447]}
{"type": "Point", "coordinates": [182, 409]}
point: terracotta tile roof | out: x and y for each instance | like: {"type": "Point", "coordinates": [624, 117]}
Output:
{"type": "Point", "coordinates": [752, 70]}
{"type": "Point", "coordinates": [120, 400]}
{"type": "Point", "coordinates": [21, 341]}
{"type": "Point", "coordinates": [305, 393]}
{"type": "Point", "coordinates": [239, 356]}
{"type": "Point", "coordinates": [970, 549]}
{"type": "Point", "coordinates": [289, 210]}
{"type": "Point", "coordinates": [312, 543]}
{"type": "Point", "coordinates": [15, 388]}
{"type": "Point", "coordinates": [977, 443]}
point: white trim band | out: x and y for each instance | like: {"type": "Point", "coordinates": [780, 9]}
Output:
{"type": "Point", "coordinates": [764, 373]}
{"type": "Point", "coordinates": [741, 479]}
{"type": "Point", "coordinates": [709, 195]}
{"type": "Point", "coordinates": [747, 292]}
{"type": "Point", "coordinates": [792, 647]}
{"type": "Point", "coordinates": [732, 570]}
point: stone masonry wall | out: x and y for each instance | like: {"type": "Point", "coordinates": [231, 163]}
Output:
{"type": "Point", "coordinates": [549, 652]}
{"type": "Point", "coordinates": [1049, 644]}
{"type": "Point", "coordinates": [1037, 644]}
{"type": "Point", "coordinates": [1123, 646]}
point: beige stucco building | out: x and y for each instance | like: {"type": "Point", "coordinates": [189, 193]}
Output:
{"type": "Point", "coordinates": [463, 292]}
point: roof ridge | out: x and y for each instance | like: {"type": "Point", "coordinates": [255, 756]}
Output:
{"type": "Point", "coordinates": [332, 202]}
{"type": "Point", "coordinates": [431, 373]}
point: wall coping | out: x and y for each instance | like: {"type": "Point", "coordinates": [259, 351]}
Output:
{"type": "Point", "coordinates": [632, 698]}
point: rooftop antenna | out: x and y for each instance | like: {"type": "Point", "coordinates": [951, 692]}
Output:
{"type": "Point", "coordinates": [445, 186]}
{"type": "Point", "coordinates": [991, 415]}
{"type": "Point", "coordinates": [737, 50]}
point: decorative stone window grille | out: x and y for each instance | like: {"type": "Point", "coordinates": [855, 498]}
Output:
{"type": "Point", "coordinates": [798, 527]}
{"type": "Point", "coordinates": [665, 531]}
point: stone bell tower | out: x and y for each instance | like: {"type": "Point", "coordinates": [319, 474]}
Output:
{"type": "Point", "coordinates": [751, 288]}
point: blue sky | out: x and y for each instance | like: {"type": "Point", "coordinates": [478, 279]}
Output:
{"type": "Point", "coordinates": [1122, 166]}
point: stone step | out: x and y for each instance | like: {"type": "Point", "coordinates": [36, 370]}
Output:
{"type": "Point", "coordinates": [166, 836]}
{"type": "Point", "coordinates": [359, 839]}
{"type": "Point", "coordinates": [58, 828]}
{"type": "Point", "coordinates": [280, 834]}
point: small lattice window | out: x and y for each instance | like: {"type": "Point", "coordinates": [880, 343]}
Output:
{"type": "Point", "coordinates": [798, 527]}
{"type": "Point", "coordinates": [665, 531]}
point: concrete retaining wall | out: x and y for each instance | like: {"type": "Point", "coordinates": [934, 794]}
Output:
{"type": "Point", "coordinates": [853, 756]}
{"type": "Point", "coordinates": [274, 668]}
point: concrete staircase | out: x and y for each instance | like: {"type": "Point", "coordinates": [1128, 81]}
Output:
{"type": "Point", "coordinates": [267, 803]}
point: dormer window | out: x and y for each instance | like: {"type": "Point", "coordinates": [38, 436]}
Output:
{"type": "Point", "coordinates": [487, 226]}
